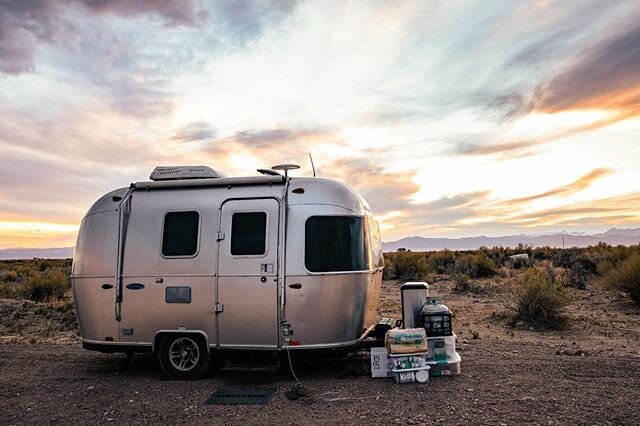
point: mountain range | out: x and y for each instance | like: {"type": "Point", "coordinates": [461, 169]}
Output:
{"type": "Point", "coordinates": [30, 253]}
{"type": "Point", "coordinates": [614, 236]}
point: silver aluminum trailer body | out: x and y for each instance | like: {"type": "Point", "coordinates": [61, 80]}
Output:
{"type": "Point", "coordinates": [131, 290]}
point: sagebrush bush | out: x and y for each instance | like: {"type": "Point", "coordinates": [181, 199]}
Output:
{"type": "Point", "coordinates": [441, 262]}
{"type": "Point", "coordinates": [388, 272]}
{"type": "Point", "coordinates": [9, 276]}
{"type": "Point", "coordinates": [43, 286]}
{"type": "Point", "coordinates": [464, 285]}
{"type": "Point", "coordinates": [477, 265]}
{"type": "Point", "coordinates": [538, 302]}
{"type": "Point", "coordinates": [408, 266]}
{"type": "Point", "coordinates": [626, 278]}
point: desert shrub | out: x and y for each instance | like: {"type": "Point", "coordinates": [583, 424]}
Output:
{"type": "Point", "coordinates": [578, 276]}
{"type": "Point", "coordinates": [48, 285]}
{"type": "Point", "coordinates": [579, 265]}
{"type": "Point", "coordinates": [612, 257]}
{"type": "Point", "coordinates": [569, 257]}
{"type": "Point", "coordinates": [626, 278]}
{"type": "Point", "coordinates": [477, 265]}
{"type": "Point", "coordinates": [544, 253]}
{"type": "Point", "coordinates": [9, 276]}
{"type": "Point", "coordinates": [388, 272]}
{"type": "Point", "coordinates": [538, 302]}
{"type": "Point", "coordinates": [8, 290]}
{"type": "Point", "coordinates": [441, 262]}
{"type": "Point", "coordinates": [464, 285]}
{"type": "Point", "coordinates": [409, 266]}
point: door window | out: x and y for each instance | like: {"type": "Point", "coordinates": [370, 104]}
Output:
{"type": "Point", "coordinates": [180, 234]}
{"type": "Point", "coordinates": [248, 234]}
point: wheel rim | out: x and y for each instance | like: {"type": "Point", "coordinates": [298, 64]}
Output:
{"type": "Point", "coordinates": [184, 354]}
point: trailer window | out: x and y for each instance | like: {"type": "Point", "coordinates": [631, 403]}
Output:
{"type": "Point", "coordinates": [180, 234]}
{"type": "Point", "coordinates": [335, 243]}
{"type": "Point", "coordinates": [248, 233]}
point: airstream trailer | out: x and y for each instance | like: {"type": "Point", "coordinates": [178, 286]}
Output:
{"type": "Point", "coordinates": [192, 263]}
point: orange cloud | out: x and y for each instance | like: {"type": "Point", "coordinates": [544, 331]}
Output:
{"type": "Point", "coordinates": [576, 186]}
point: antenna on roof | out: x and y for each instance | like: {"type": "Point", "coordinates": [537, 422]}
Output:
{"type": "Point", "coordinates": [312, 166]}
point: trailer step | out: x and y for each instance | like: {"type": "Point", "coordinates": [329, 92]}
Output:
{"type": "Point", "coordinates": [267, 362]}
{"type": "Point", "coordinates": [253, 368]}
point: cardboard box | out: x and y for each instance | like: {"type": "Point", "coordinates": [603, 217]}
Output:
{"type": "Point", "coordinates": [380, 363]}
{"type": "Point", "coordinates": [406, 341]}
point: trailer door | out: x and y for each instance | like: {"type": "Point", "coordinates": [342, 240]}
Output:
{"type": "Point", "coordinates": [248, 273]}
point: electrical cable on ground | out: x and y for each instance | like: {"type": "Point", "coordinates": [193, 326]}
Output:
{"type": "Point", "coordinates": [298, 390]}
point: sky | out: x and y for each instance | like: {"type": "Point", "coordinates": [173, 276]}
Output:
{"type": "Point", "coordinates": [452, 118]}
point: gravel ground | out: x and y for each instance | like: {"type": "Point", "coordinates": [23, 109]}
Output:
{"type": "Point", "coordinates": [501, 383]}
{"type": "Point", "coordinates": [588, 373]}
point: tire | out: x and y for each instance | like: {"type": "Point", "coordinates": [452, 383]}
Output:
{"type": "Point", "coordinates": [184, 356]}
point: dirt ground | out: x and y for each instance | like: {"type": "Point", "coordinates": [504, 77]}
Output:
{"type": "Point", "coordinates": [589, 373]}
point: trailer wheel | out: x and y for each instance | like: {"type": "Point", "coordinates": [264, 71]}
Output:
{"type": "Point", "coordinates": [184, 356]}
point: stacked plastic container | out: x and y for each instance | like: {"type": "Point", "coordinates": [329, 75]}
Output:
{"type": "Point", "coordinates": [407, 355]}
{"type": "Point", "coordinates": [427, 347]}
{"type": "Point", "coordinates": [441, 341]}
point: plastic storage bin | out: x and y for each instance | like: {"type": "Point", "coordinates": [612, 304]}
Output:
{"type": "Point", "coordinates": [410, 375]}
{"type": "Point", "coordinates": [441, 348]}
{"type": "Point", "coordinates": [450, 367]}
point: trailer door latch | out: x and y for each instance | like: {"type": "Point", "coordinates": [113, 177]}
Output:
{"type": "Point", "coordinates": [219, 307]}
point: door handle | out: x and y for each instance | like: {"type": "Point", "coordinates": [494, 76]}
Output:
{"type": "Point", "coordinates": [135, 286]}
{"type": "Point", "coordinates": [295, 285]}
{"type": "Point", "coordinates": [107, 286]}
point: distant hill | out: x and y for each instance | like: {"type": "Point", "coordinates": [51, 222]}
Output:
{"type": "Point", "coordinates": [30, 253]}
{"type": "Point", "coordinates": [613, 236]}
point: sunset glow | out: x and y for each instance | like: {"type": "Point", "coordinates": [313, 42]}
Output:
{"type": "Point", "coordinates": [451, 118]}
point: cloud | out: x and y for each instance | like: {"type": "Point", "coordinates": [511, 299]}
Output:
{"type": "Point", "coordinates": [268, 138]}
{"type": "Point", "coordinates": [435, 217]}
{"type": "Point", "coordinates": [195, 132]}
{"type": "Point", "coordinates": [244, 20]}
{"type": "Point", "coordinates": [578, 185]}
{"type": "Point", "coordinates": [273, 146]}
{"type": "Point", "coordinates": [24, 25]}
{"type": "Point", "coordinates": [385, 191]}
{"type": "Point", "coordinates": [171, 13]}
{"type": "Point", "coordinates": [507, 148]}
{"type": "Point", "coordinates": [624, 208]}
{"type": "Point", "coordinates": [55, 168]}
{"type": "Point", "coordinates": [608, 76]}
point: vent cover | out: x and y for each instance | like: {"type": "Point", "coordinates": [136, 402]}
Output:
{"type": "Point", "coordinates": [183, 172]}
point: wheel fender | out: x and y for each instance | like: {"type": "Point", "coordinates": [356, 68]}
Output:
{"type": "Point", "coordinates": [157, 337]}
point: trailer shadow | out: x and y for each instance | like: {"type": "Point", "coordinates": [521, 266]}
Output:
{"type": "Point", "coordinates": [307, 365]}
{"type": "Point", "coordinates": [140, 365]}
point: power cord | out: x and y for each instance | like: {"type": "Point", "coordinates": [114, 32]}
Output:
{"type": "Point", "coordinates": [298, 390]}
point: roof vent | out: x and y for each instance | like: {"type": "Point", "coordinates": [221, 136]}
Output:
{"type": "Point", "coordinates": [183, 172]}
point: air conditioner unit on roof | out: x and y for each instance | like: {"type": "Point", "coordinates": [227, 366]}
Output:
{"type": "Point", "coordinates": [183, 172]}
